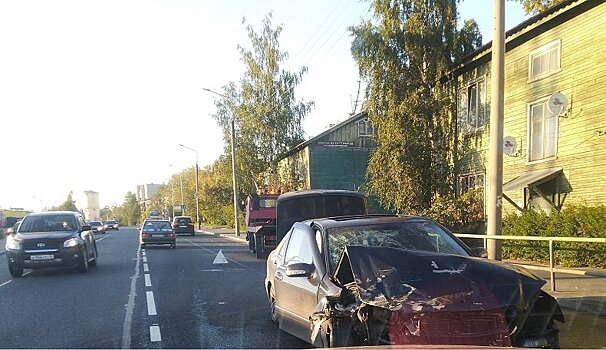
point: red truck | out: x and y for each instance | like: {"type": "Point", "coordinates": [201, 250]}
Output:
{"type": "Point", "coordinates": [261, 222]}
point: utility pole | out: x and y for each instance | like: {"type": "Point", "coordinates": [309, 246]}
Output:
{"type": "Point", "coordinates": [495, 192]}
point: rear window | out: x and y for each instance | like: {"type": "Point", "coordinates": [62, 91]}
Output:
{"type": "Point", "coordinates": [156, 226]}
{"type": "Point", "coordinates": [96, 223]}
{"type": "Point", "coordinates": [183, 220]}
{"type": "Point", "coordinates": [267, 203]}
{"type": "Point", "coordinates": [110, 222]}
{"type": "Point", "coordinates": [48, 223]}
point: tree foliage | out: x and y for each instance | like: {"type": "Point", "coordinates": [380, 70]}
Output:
{"type": "Point", "coordinates": [404, 53]}
{"type": "Point", "coordinates": [537, 6]}
{"type": "Point", "coordinates": [129, 212]}
{"type": "Point", "coordinates": [68, 205]}
{"type": "Point", "coordinates": [266, 113]}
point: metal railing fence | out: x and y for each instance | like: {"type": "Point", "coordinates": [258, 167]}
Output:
{"type": "Point", "coordinates": [552, 269]}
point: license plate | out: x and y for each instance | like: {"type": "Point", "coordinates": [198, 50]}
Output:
{"type": "Point", "coordinates": [42, 257]}
{"type": "Point", "coordinates": [182, 226]}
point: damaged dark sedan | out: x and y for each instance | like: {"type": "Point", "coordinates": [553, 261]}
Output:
{"type": "Point", "coordinates": [402, 280]}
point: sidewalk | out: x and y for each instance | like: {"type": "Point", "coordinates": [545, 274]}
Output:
{"type": "Point", "coordinates": [585, 293]}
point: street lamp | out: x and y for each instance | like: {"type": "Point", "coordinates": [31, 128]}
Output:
{"type": "Point", "coordinates": [197, 190]}
{"type": "Point", "coordinates": [233, 163]}
{"type": "Point", "coordinates": [180, 180]}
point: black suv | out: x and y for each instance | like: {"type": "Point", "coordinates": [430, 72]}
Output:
{"type": "Point", "coordinates": [51, 239]}
{"type": "Point", "coordinates": [183, 224]}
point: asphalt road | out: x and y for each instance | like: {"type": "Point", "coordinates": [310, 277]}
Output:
{"type": "Point", "coordinates": [151, 298]}
{"type": "Point", "coordinates": [167, 298]}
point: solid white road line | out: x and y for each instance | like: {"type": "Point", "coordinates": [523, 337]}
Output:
{"type": "Point", "coordinates": [147, 280]}
{"type": "Point", "coordinates": [151, 303]}
{"type": "Point", "coordinates": [5, 283]}
{"type": "Point", "coordinates": [154, 334]}
{"type": "Point", "coordinates": [104, 237]}
{"type": "Point", "coordinates": [130, 306]}
{"type": "Point", "coordinates": [145, 267]}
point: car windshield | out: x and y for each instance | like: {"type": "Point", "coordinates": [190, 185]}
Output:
{"type": "Point", "coordinates": [409, 234]}
{"type": "Point", "coordinates": [47, 223]}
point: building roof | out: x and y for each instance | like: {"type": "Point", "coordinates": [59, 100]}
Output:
{"type": "Point", "coordinates": [528, 29]}
{"type": "Point", "coordinates": [302, 145]}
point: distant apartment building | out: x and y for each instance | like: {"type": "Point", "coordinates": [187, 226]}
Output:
{"type": "Point", "coordinates": [145, 192]}
{"type": "Point", "coordinates": [91, 205]}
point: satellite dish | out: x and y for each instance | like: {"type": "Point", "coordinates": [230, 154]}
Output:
{"type": "Point", "coordinates": [557, 103]}
{"type": "Point", "coordinates": [510, 146]}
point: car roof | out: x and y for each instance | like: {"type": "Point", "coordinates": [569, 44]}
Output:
{"type": "Point", "coordinates": [361, 220]}
{"type": "Point", "coordinates": [308, 193]}
{"type": "Point", "coordinates": [182, 217]}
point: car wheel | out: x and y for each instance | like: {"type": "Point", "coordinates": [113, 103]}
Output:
{"type": "Point", "coordinates": [272, 305]}
{"type": "Point", "coordinates": [95, 256]}
{"type": "Point", "coordinates": [173, 246]}
{"type": "Point", "coordinates": [15, 271]}
{"type": "Point", "coordinates": [83, 266]}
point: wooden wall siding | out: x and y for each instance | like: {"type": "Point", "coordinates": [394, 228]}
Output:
{"type": "Point", "coordinates": [348, 133]}
{"type": "Point", "coordinates": [581, 147]}
{"type": "Point", "coordinates": [339, 168]}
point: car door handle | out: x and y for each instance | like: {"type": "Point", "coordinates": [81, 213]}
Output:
{"type": "Point", "coordinates": [279, 276]}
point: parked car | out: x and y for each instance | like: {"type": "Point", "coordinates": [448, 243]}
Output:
{"type": "Point", "coordinates": [51, 239]}
{"type": "Point", "coordinates": [183, 224]}
{"type": "Point", "coordinates": [97, 226]}
{"type": "Point", "coordinates": [371, 280]}
{"type": "Point", "coordinates": [111, 225]}
{"type": "Point", "coordinates": [157, 232]}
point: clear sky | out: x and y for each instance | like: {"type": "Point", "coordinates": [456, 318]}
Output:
{"type": "Point", "coordinates": [97, 95]}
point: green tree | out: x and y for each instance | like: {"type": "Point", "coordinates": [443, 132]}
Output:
{"type": "Point", "coordinates": [263, 105]}
{"type": "Point", "coordinates": [405, 54]}
{"type": "Point", "coordinates": [534, 7]}
{"type": "Point", "coordinates": [130, 211]}
{"type": "Point", "coordinates": [68, 205]}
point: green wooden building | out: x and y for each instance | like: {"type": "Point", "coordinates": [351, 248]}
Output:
{"type": "Point", "coordinates": [555, 110]}
{"type": "Point", "coordinates": [335, 159]}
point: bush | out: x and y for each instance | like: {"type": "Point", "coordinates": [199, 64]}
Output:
{"type": "Point", "coordinates": [461, 214]}
{"type": "Point", "coordinates": [573, 221]}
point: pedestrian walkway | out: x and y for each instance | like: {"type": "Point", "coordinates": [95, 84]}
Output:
{"type": "Point", "coordinates": [585, 293]}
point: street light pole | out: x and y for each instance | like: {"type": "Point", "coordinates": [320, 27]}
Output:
{"type": "Point", "coordinates": [197, 195]}
{"type": "Point", "coordinates": [233, 164]}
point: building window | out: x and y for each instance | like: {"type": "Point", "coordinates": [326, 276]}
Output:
{"type": "Point", "coordinates": [544, 61]}
{"type": "Point", "coordinates": [542, 132]}
{"type": "Point", "coordinates": [472, 106]}
{"type": "Point", "coordinates": [468, 182]}
{"type": "Point", "coordinates": [365, 128]}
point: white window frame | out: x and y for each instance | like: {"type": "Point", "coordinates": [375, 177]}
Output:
{"type": "Point", "coordinates": [545, 50]}
{"type": "Point", "coordinates": [466, 124]}
{"type": "Point", "coordinates": [368, 129]}
{"type": "Point", "coordinates": [467, 176]}
{"type": "Point", "coordinates": [546, 114]}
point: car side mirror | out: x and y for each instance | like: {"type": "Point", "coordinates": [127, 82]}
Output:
{"type": "Point", "coordinates": [9, 231]}
{"type": "Point", "coordinates": [480, 252]}
{"type": "Point", "coordinates": [300, 270]}
{"type": "Point", "coordinates": [86, 228]}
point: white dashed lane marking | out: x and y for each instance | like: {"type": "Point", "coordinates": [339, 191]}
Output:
{"type": "Point", "coordinates": [145, 267]}
{"type": "Point", "coordinates": [147, 280]}
{"type": "Point", "coordinates": [151, 303]}
{"type": "Point", "coordinates": [154, 334]}
{"type": "Point", "coordinates": [144, 259]}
